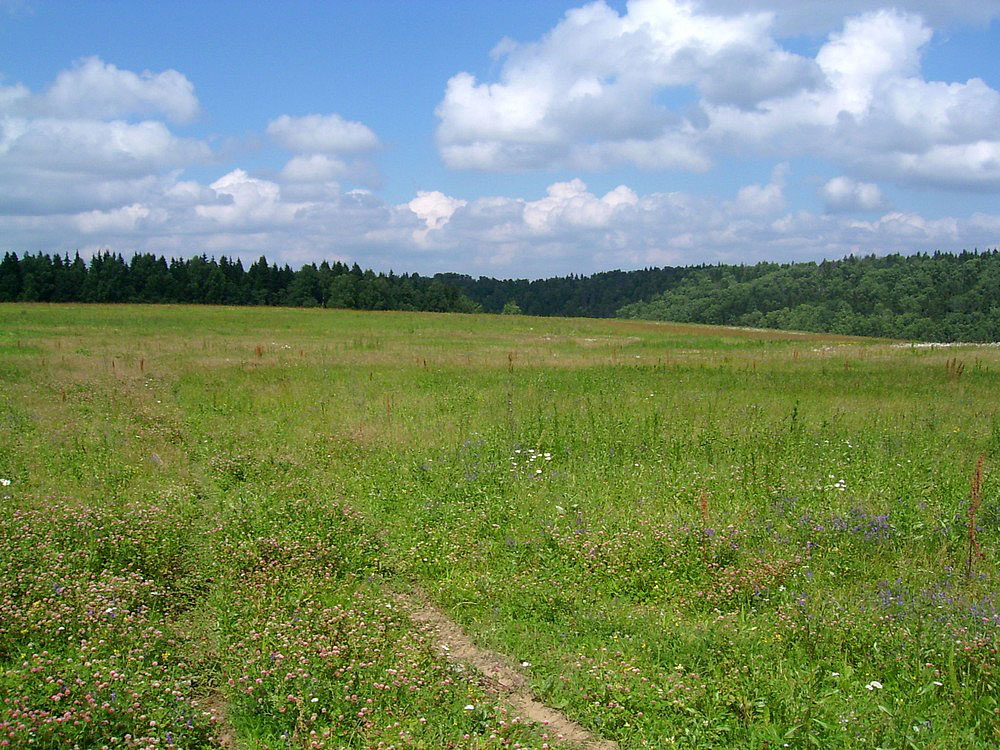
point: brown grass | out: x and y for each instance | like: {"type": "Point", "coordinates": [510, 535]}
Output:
{"type": "Point", "coordinates": [703, 508]}
{"type": "Point", "coordinates": [954, 368]}
{"type": "Point", "coordinates": [975, 499]}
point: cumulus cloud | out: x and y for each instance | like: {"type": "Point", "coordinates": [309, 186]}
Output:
{"type": "Point", "coordinates": [252, 202]}
{"type": "Point", "coordinates": [585, 96]}
{"type": "Point", "coordinates": [125, 219]}
{"type": "Point", "coordinates": [75, 165]}
{"type": "Point", "coordinates": [763, 199]}
{"type": "Point", "coordinates": [567, 229]}
{"type": "Point", "coordinates": [95, 146]}
{"type": "Point", "coordinates": [664, 86]}
{"type": "Point", "coordinates": [434, 209]}
{"type": "Point", "coordinates": [322, 134]}
{"type": "Point", "coordinates": [98, 90]}
{"type": "Point", "coordinates": [314, 168]}
{"type": "Point", "coordinates": [594, 93]}
{"type": "Point", "coordinates": [569, 205]}
{"type": "Point", "coordinates": [71, 148]}
{"type": "Point", "coordinates": [572, 229]}
{"type": "Point", "coordinates": [794, 17]}
{"type": "Point", "coordinates": [842, 194]}
{"type": "Point", "coordinates": [326, 148]}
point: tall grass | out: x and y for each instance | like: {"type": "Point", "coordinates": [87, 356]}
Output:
{"type": "Point", "coordinates": [975, 501]}
{"type": "Point", "coordinates": [692, 536]}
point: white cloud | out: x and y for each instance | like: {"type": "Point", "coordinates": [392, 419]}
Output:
{"type": "Point", "coordinates": [871, 49]}
{"type": "Point", "coordinates": [12, 97]}
{"type": "Point", "coordinates": [94, 146]}
{"type": "Point", "coordinates": [764, 199]}
{"type": "Point", "coordinates": [100, 90]}
{"type": "Point", "coordinates": [842, 194]}
{"type": "Point", "coordinates": [568, 229]}
{"type": "Point", "coordinates": [322, 134]}
{"type": "Point", "coordinates": [794, 17]}
{"type": "Point", "coordinates": [434, 209]}
{"type": "Point", "coordinates": [596, 92]}
{"type": "Point", "coordinates": [69, 149]}
{"type": "Point", "coordinates": [585, 96]}
{"type": "Point", "coordinates": [253, 203]}
{"type": "Point", "coordinates": [572, 229]}
{"type": "Point", "coordinates": [314, 168]}
{"type": "Point", "coordinates": [50, 165]}
{"type": "Point", "coordinates": [326, 148]}
{"type": "Point", "coordinates": [116, 221]}
{"type": "Point", "coordinates": [568, 205]}
{"type": "Point", "coordinates": [599, 90]}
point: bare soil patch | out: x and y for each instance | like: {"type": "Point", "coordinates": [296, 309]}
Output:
{"type": "Point", "coordinates": [498, 674]}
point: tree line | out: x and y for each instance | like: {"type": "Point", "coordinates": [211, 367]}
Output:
{"type": "Point", "coordinates": [108, 277]}
{"type": "Point", "coordinates": [939, 297]}
{"type": "Point", "coordinates": [929, 297]}
{"type": "Point", "coordinates": [598, 296]}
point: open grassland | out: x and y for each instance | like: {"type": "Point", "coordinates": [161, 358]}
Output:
{"type": "Point", "coordinates": [679, 535]}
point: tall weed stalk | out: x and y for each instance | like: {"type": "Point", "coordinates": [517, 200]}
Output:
{"type": "Point", "coordinates": [975, 499]}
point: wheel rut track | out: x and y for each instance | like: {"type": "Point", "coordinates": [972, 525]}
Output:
{"type": "Point", "coordinates": [495, 669]}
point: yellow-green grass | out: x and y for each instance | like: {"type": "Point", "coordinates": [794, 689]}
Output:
{"type": "Point", "coordinates": [250, 486]}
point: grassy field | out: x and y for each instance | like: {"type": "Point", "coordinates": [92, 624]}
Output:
{"type": "Point", "coordinates": [680, 535]}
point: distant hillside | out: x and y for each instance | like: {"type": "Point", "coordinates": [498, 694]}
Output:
{"type": "Point", "coordinates": [940, 297]}
{"type": "Point", "coordinates": [597, 296]}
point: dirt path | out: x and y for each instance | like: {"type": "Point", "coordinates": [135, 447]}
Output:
{"type": "Point", "coordinates": [508, 682]}
{"type": "Point", "coordinates": [218, 709]}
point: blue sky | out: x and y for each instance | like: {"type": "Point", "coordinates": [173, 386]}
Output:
{"type": "Point", "coordinates": [507, 139]}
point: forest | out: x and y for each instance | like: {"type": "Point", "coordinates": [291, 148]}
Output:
{"type": "Point", "coordinates": [939, 297]}
{"type": "Point", "coordinates": [925, 297]}
{"type": "Point", "coordinates": [202, 280]}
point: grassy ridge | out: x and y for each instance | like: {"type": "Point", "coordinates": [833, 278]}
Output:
{"type": "Point", "coordinates": [707, 537]}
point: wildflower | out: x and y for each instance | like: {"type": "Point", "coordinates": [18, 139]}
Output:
{"type": "Point", "coordinates": [4, 483]}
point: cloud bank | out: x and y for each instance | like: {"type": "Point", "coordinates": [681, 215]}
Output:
{"type": "Point", "coordinates": [596, 93]}
{"type": "Point", "coordinates": [99, 158]}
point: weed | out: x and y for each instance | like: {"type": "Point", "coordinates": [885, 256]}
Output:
{"type": "Point", "coordinates": [974, 553]}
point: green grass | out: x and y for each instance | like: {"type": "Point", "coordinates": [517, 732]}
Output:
{"type": "Point", "coordinates": [246, 489]}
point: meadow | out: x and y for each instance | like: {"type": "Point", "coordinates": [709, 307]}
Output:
{"type": "Point", "coordinates": [211, 519]}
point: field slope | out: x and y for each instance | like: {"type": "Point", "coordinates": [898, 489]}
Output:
{"type": "Point", "coordinates": [211, 521]}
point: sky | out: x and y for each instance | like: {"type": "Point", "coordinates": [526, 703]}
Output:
{"type": "Point", "coordinates": [513, 139]}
